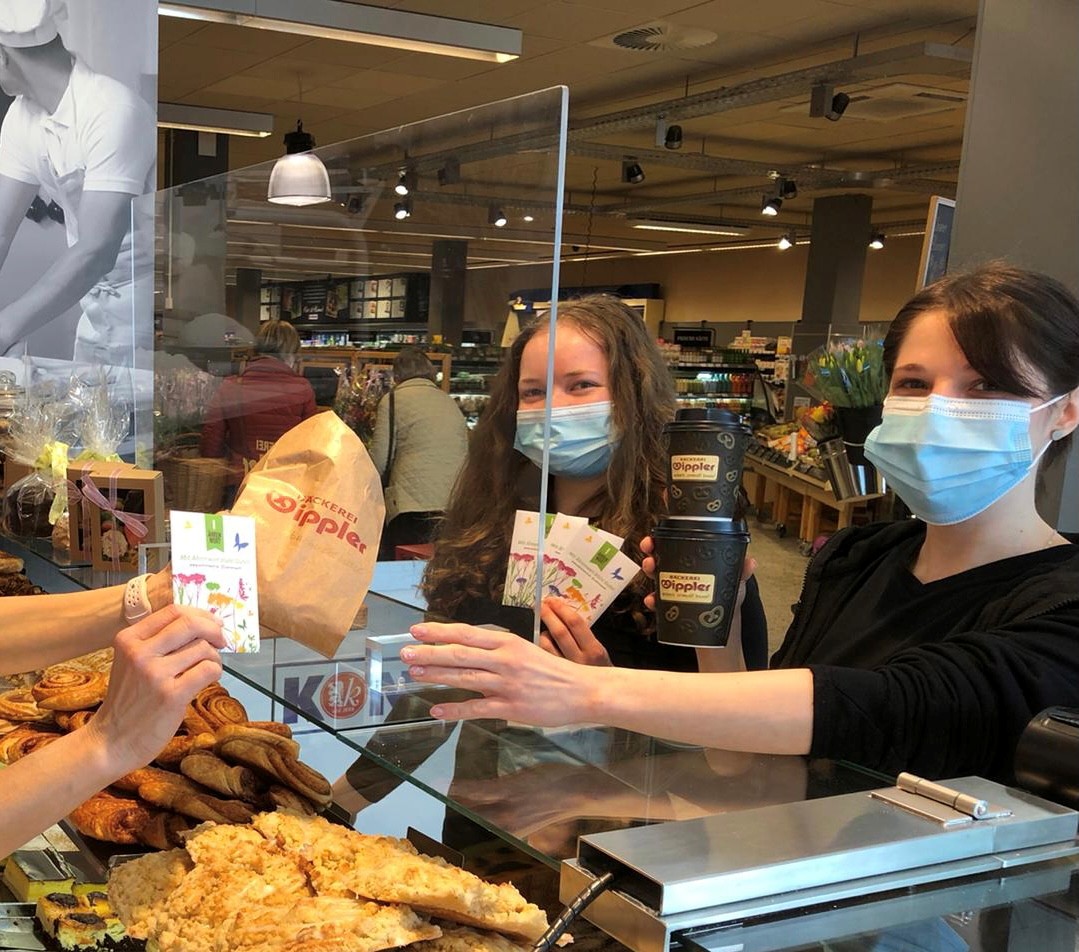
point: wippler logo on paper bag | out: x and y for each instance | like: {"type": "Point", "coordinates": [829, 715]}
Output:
{"type": "Point", "coordinates": [686, 587]}
{"type": "Point", "coordinates": [321, 516]}
{"type": "Point", "coordinates": [701, 468]}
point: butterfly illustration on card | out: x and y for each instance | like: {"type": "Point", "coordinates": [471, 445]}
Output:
{"type": "Point", "coordinates": [617, 573]}
{"type": "Point", "coordinates": [240, 546]}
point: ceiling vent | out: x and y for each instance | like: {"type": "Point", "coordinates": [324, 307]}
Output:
{"type": "Point", "coordinates": [895, 101]}
{"type": "Point", "coordinates": [660, 37]}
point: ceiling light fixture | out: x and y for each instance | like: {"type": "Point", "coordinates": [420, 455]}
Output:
{"type": "Point", "coordinates": [450, 173]}
{"type": "Point", "coordinates": [229, 122]}
{"type": "Point", "coordinates": [402, 209]}
{"type": "Point", "coordinates": [632, 173]}
{"type": "Point", "coordinates": [770, 205]}
{"type": "Point", "coordinates": [690, 227]}
{"type": "Point", "coordinates": [876, 240]}
{"type": "Point", "coordinates": [406, 182]}
{"type": "Point", "coordinates": [787, 241]}
{"type": "Point", "coordinates": [786, 188]}
{"type": "Point", "coordinates": [496, 217]}
{"type": "Point", "coordinates": [668, 136]}
{"type": "Point", "coordinates": [825, 102]}
{"type": "Point", "coordinates": [359, 23]}
{"type": "Point", "coordinates": [299, 177]}
{"type": "Point", "coordinates": [528, 218]}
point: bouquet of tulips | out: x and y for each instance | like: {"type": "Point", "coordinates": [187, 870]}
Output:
{"type": "Point", "coordinates": [848, 372]}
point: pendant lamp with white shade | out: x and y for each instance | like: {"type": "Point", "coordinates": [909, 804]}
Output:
{"type": "Point", "coordinates": [299, 177]}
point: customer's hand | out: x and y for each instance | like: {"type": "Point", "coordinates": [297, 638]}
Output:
{"type": "Point", "coordinates": [648, 566]}
{"type": "Point", "coordinates": [160, 663]}
{"type": "Point", "coordinates": [519, 681]}
{"type": "Point", "coordinates": [567, 635]}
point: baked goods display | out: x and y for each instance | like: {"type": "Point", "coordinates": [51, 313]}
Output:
{"type": "Point", "coordinates": [13, 580]}
{"type": "Point", "coordinates": [220, 767]}
{"type": "Point", "coordinates": [291, 882]}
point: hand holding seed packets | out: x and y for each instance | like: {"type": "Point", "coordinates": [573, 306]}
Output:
{"type": "Point", "coordinates": [213, 567]}
{"type": "Point", "coordinates": [582, 565]}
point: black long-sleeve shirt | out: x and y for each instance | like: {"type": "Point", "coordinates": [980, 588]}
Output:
{"type": "Point", "coordinates": [938, 678]}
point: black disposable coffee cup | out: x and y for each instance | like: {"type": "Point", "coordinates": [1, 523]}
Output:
{"type": "Point", "coordinates": [706, 449]}
{"type": "Point", "coordinates": [698, 571]}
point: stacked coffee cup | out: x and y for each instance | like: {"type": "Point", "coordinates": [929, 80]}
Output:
{"type": "Point", "coordinates": [701, 545]}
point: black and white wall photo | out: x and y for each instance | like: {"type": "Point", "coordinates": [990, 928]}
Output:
{"type": "Point", "coordinates": [77, 145]}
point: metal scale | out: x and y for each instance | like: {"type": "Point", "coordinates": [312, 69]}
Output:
{"type": "Point", "coordinates": [677, 882]}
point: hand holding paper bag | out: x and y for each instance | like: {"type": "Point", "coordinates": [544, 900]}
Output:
{"type": "Point", "coordinates": [317, 502]}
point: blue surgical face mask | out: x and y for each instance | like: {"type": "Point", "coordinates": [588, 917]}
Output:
{"type": "Point", "coordinates": [581, 438]}
{"type": "Point", "coordinates": [950, 459]}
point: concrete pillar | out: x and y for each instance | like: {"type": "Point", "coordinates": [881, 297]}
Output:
{"type": "Point", "coordinates": [1016, 197]}
{"type": "Point", "coordinates": [449, 270]}
{"type": "Point", "coordinates": [834, 270]}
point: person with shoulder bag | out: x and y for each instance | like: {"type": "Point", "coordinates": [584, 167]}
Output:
{"type": "Point", "coordinates": [419, 445]}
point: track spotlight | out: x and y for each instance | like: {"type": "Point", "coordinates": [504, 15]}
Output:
{"type": "Point", "coordinates": [632, 173]}
{"type": "Point", "coordinates": [403, 209]}
{"type": "Point", "coordinates": [496, 217]}
{"type": "Point", "coordinates": [876, 240]}
{"type": "Point", "coordinates": [668, 136]}
{"type": "Point", "coordinates": [406, 182]}
{"type": "Point", "coordinates": [786, 188]}
{"type": "Point", "coordinates": [787, 241]}
{"type": "Point", "coordinates": [770, 205]}
{"type": "Point", "coordinates": [825, 102]}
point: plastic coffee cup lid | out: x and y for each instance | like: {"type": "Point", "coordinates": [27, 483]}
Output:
{"type": "Point", "coordinates": [707, 415]}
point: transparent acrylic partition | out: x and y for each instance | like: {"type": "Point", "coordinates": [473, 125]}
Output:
{"type": "Point", "coordinates": [358, 277]}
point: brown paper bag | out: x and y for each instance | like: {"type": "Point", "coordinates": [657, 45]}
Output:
{"type": "Point", "coordinates": [317, 502]}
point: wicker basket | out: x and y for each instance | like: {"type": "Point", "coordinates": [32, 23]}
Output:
{"type": "Point", "coordinates": [195, 483]}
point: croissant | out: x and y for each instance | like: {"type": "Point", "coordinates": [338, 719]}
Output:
{"type": "Point", "coordinates": [218, 708]}
{"type": "Point", "coordinates": [199, 806]}
{"type": "Point", "coordinates": [21, 705]}
{"type": "Point", "coordinates": [114, 819]}
{"type": "Point", "coordinates": [24, 740]}
{"type": "Point", "coordinates": [165, 791]}
{"type": "Point", "coordinates": [72, 720]}
{"type": "Point", "coordinates": [232, 781]}
{"type": "Point", "coordinates": [274, 727]}
{"type": "Point", "coordinates": [259, 736]}
{"type": "Point", "coordinates": [163, 830]}
{"type": "Point", "coordinates": [180, 746]}
{"type": "Point", "coordinates": [130, 782]}
{"type": "Point", "coordinates": [301, 778]}
{"type": "Point", "coordinates": [280, 766]}
{"type": "Point", "coordinates": [287, 799]}
{"type": "Point", "coordinates": [70, 690]}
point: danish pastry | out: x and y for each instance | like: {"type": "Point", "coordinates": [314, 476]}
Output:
{"type": "Point", "coordinates": [21, 705]}
{"type": "Point", "coordinates": [69, 690]}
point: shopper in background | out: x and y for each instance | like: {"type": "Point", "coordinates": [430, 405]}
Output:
{"type": "Point", "coordinates": [924, 645]}
{"type": "Point", "coordinates": [612, 396]}
{"type": "Point", "coordinates": [160, 663]}
{"type": "Point", "coordinates": [419, 444]}
{"type": "Point", "coordinates": [251, 410]}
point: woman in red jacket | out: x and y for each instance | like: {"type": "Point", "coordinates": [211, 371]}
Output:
{"type": "Point", "coordinates": [251, 410]}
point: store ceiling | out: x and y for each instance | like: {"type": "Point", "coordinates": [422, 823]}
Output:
{"type": "Point", "coordinates": [905, 119]}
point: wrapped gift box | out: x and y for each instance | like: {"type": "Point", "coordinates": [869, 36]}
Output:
{"type": "Point", "coordinates": [115, 502]}
{"type": "Point", "coordinates": [80, 520]}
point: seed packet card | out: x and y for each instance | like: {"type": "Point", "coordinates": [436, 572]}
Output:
{"type": "Point", "coordinates": [520, 587]}
{"type": "Point", "coordinates": [567, 533]}
{"type": "Point", "coordinates": [600, 572]}
{"type": "Point", "coordinates": [213, 567]}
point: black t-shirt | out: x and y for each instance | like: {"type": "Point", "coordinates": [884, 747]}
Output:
{"type": "Point", "coordinates": [894, 611]}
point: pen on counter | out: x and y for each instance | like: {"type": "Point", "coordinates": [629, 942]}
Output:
{"type": "Point", "coordinates": [962, 802]}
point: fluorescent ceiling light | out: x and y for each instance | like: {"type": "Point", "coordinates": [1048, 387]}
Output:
{"type": "Point", "coordinates": [231, 122]}
{"type": "Point", "coordinates": [358, 23]}
{"type": "Point", "coordinates": [692, 228]}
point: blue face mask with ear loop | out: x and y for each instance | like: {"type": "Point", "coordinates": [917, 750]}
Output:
{"type": "Point", "coordinates": [949, 459]}
{"type": "Point", "coordinates": [581, 438]}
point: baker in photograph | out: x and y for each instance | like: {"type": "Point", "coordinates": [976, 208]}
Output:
{"type": "Point", "coordinates": [87, 143]}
